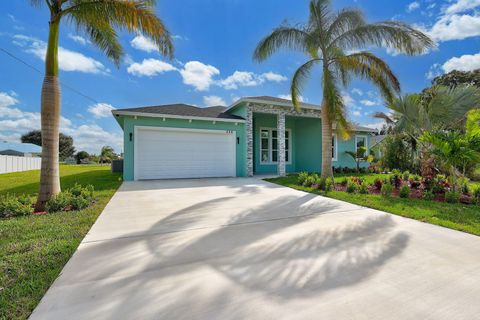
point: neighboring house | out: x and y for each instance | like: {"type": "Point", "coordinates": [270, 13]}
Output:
{"type": "Point", "coordinates": [256, 135]}
{"type": "Point", "coordinates": [376, 147]}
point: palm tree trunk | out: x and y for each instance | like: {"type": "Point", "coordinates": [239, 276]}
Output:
{"type": "Point", "coordinates": [50, 114]}
{"type": "Point", "coordinates": [327, 171]}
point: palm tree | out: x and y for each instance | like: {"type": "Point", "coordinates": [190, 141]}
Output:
{"type": "Point", "coordinates": [455, 149]}
{"type": "Point", "coordinates": [99, 20]}
{"type": "Point", "coordinates": [445, 109]}
{"type": "Point", "coordinates": [338, 42]}
{"type": "Point", "coordinates": [359, 156]}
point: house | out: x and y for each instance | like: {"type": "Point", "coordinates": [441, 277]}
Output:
{"type": "Point", "coordinates": [255, 135]}
{"type": "Point", "coordinates": [376, 147]}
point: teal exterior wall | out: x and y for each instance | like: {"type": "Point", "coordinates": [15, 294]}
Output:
{"type": "Point", "coordinates": [306, 145]}
{"type": "Point", "coordinates": [261, 120]}
{"type": "Point", "coordinates": [128, 124]}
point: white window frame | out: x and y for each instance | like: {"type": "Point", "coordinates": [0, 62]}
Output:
{"type": "Point", "coordinates": [270, 149]}
{"type": "Point", "coordinates": [356, 142]}
{"type": "Point", "coordinates": [335, 153]}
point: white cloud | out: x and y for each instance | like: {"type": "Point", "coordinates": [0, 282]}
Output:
{"type": "Point", "coordinates": [462, 6]}
{"type": "Point", "coordinates": [149, 68]}
{"type": "Point", "coordinates": [101, 110]}
{"type": "Point", "coordinates": [68, 60]}
{"type": "Point", "coordinates": [466, 62]}
{"type": "Point", "coordinates": [199, 75]}
{"type": "Point", "coordinates": [289, 97]}
{"type": "Point", "coordinates": [275, 77]}
{"type": "Point", "coordinates": [142, 43]}
{"type": "Point", "coordinates": [78, 39]}
{"type": "Point", "coordinates": [15, 122]}
{"type": "Point", "coordinates": [249, 79]}
{"type": "Point", "coordinates": [92, 137]}
{"type": "Point", "coordinates": [348, 100]}
{"type": "Point", "coordinates": [368, 103]}
{"type": "Point", "coordinates": [413, 6]}
{"type": "Point", "coordinates": [434, 71]}
{"type": "Point", "coordinates": [210, 101]}
{"type": "Point", "coordinates": [455, 27]}
{"type": "Point", "coordinates": [357, 91]}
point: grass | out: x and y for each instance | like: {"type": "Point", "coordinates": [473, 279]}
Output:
{"type": "Point", "coordinates": [34, 249]}
{"type": "Point", "coordinates": [454, 216]}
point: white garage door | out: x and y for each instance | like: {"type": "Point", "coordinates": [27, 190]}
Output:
{"type": "Point", "coordinates": [166, 153]}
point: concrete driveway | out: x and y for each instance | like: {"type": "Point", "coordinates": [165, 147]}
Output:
{"type": "Point", "coordinates": [248, 249]}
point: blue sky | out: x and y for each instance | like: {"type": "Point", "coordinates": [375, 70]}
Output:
{"type": "Point", "coordinates": [214, 40]}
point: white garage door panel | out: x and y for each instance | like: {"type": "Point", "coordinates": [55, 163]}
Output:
{"type": "Point", "coordinates": [182, 153]}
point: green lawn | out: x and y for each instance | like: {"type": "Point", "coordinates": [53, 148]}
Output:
{"type": "Point", "coordinates": [34, 249]}
{"type": "Point", "coordinates": [455, 216]}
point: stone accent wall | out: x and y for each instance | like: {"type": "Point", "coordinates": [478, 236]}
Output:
{"type": "Point", "coordinates": [272, 109]}
{"type": "Point", "coordinates": [281, 143]}
{"type": "Point", "coordinates": [249, 128]}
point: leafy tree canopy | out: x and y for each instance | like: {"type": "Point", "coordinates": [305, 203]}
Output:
{"type": "Point", "coordinates": [66, 148]}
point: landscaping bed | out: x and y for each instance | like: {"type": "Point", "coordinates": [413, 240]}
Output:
{"type": "Point", "coordinates": [34, 248]}
{"type": "Point", "coordinates": [458, 216]}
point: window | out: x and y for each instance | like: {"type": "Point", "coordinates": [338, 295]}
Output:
{"type": "Point", "coordinates": [269, 149]}
{"type": "Point", "coordinates": [360, 141]}
{"type": "Point", "coordinates": [334, 147]}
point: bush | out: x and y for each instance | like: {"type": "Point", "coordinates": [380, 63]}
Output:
{"type": "Point", "coordinates": [428, 195]}
{"type": "Point", "coordinates": [322, 182]}
{"type": "Point", "coordinates": [309, 181]}
{"type": "Point", "coordinates": [405, 175]}
{"type": "Point", "coordinates": [405, 192]}
{"type": "Point", "coordinates": [363, 188]}
{"type": "Point", "coordinates": [344, 181]}
{"type": "Point", "coordinates": [386, 190]}
{"type": "Point", "coordinates": [302, 176]}
{"type": "Point", "coordinates": [378, 183]}
{"type": "Point", "coordinates": [60, 202]}
{"type": "Point", "coordinates": [328, 185]}
{"type": "Point", "coordinates": [15, 206]}
{"type": "Point", "coordinates": [476, 196]}
{"type": "Point", "coordinates": [452, 197]}
{"type": "Point", "coordinates": [356, 180]}
{"type": "Point", "coordinates": [395, 178]}
{"type": "Point", "coordinates": [351, 187]}
{"type": "Point", "coordinates": [75, 198]}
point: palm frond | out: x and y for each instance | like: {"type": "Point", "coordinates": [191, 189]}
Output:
{"type": "Point", "coordinates": [298, 81]}
{"type": "Point", "coordinates": [344, 21]}
{"type": "Point", "coordinates": [135, 16]}
{"type": "Point", "coordinates": [369, 67]}
{"type": "Point", "coordinates": [292, 38]}
{"type": "Point", "coordinates": [389, 34]}
{"type": "Point", "coordinates": [335, 104]}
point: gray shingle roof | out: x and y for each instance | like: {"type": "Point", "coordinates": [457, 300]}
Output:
{"type": "Point", "coordinates": [186, 110]}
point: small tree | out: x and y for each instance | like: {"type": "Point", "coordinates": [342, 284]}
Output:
{"type": "Point", "coordinates": [107, 154]}
{"type": "Point", "coordinates": [66, 148]}
{"type": "Point", "coordinates": [81, 155]}
{"type": "Point", "coordinates": [359, 156]}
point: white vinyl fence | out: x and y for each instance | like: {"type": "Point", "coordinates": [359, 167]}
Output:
{"type": "Point", "coordinates": [16, 164]}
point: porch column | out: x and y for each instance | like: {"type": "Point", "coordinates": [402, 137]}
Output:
{"type": "Point", "coordinates": [249, 128]}
{"type": "Point", "coordinates": [281, 143]}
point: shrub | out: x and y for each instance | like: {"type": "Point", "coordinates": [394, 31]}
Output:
{"type": "Point", "coordinates": [378, 183]}
{"type": "Point", "coordinates": [452, 197]}
{"type": "Point", "coordinates": [328, 185]}
{"type": "Point", "coordinates": [405, 175]}
{"type": "Point", "coordinates": [395, 178]}
{"type": "Point", "coordinates": [322, 183]}
{"type": "Point", "coordinates": [302, 176]}
{"type": "Point", "coordinates": [14, 206]}
{"type": "Point", "coordinates": [428, 195]}
{"type": "Point", "coordinates": [60, 202]}
{"type": "Point", "coordinates": [75, 198]}
{"type": "Point", "coordinates": [344, 181]}
{"type": "Point", "coordinates": [476, 196]}
{"type": "Point", "coordinates": [363, 188]}
{"type": "Point", "coordinates": [351, 187]}
{"type": "Point", "coordinates": [356, 180]}
{"type": "Point", "coordinates": [465, 188]}
{"type": "Point", "coordinates": [386, 190]}
{"type": "Point", "coordinates": [405, 192]}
